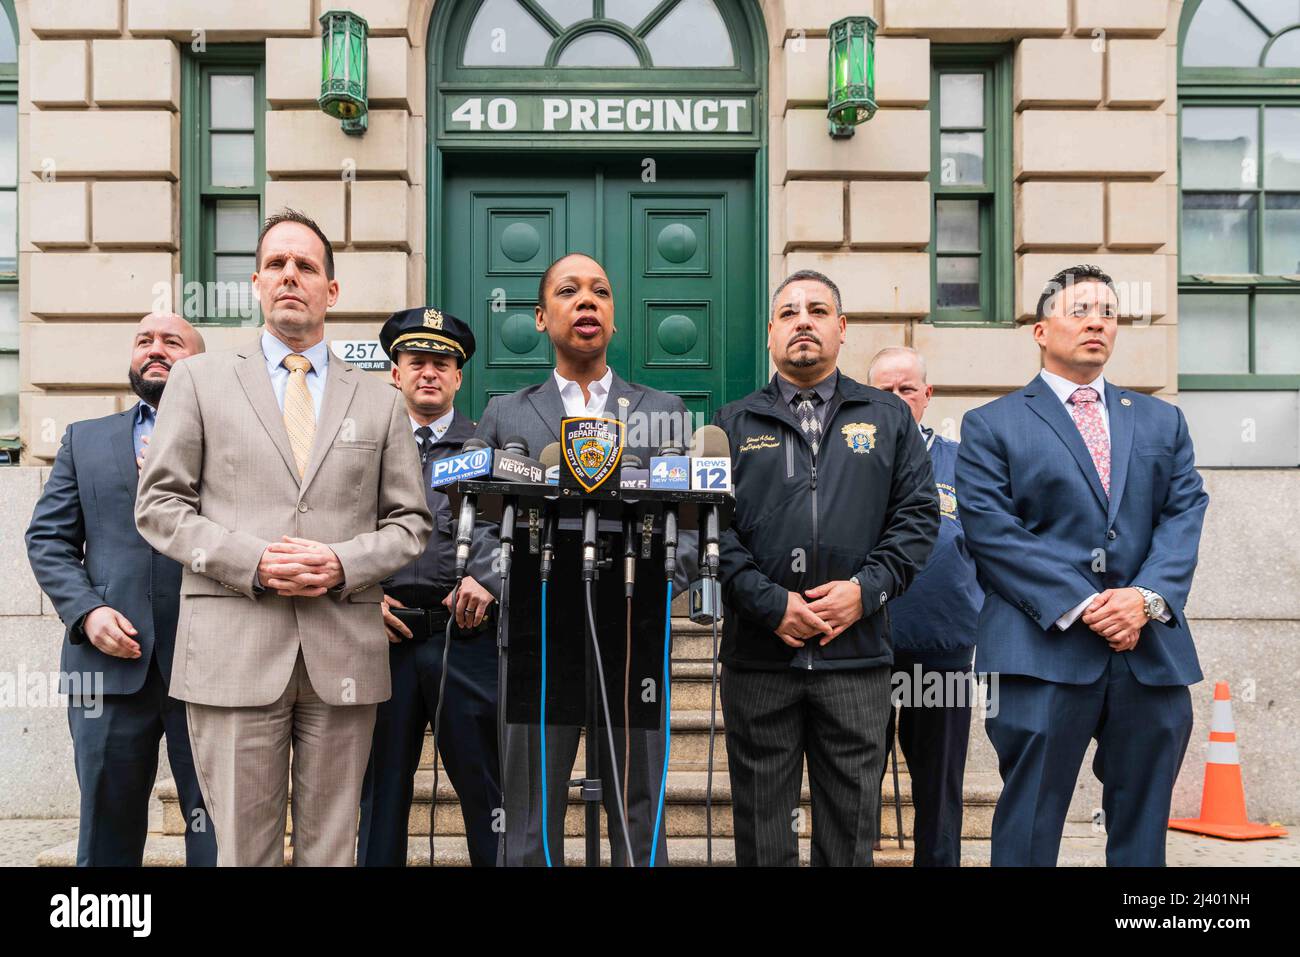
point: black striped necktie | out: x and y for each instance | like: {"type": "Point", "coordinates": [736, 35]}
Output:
{"type": "Point", "coordinates": [808, 421]}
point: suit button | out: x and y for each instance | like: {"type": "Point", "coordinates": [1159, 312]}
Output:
{"type": "Point", "coordinates": [302, 506]}
{"type": "Point", "coordinates": [1111, 535]}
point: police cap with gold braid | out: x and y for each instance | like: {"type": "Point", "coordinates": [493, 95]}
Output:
{"type": "Point", "coordinates": [427, 330]}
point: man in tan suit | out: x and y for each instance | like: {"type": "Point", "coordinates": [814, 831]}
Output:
{"type": "Point", "coordinates": [287, 484]}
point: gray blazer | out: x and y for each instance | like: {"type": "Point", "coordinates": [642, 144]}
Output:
{"type": "Point", "coordinates": [653, 419]}
{"type": "Point", "coordinates": [219, 485]}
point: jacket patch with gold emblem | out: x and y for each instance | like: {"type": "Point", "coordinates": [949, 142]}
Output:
{"type": "Point", "coordinates": [753, 443]}
{"type": "Point", "coordinates": [860, 437]}
{"type": "Point", "coordinates": [947, 500]}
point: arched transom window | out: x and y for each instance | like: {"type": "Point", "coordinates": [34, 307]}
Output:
{"type": "Point", "coordinates": [1244, 33]}
{"type": "Point", "coordinates": [598, 34]}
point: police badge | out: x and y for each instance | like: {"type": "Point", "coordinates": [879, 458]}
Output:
{"type": "Point", "coordinates": [592, 450]}
{"type": "Point", "coordinates": [432, 319]}
{"type": "Point", "coordinates": [860, 437]}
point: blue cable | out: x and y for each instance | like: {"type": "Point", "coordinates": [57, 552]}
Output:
{"type": "Point", "coordinates": [668, 713]}
{"type": "Point", "coordinates": [546, 839]}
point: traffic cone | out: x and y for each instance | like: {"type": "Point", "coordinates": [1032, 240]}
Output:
{"type": "Point", "coordinates": [1223, 800]}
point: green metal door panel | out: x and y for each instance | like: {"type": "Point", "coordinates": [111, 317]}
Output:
{"type": "Point", "coordinates": [498, 240]}
{"type": "Point", "coordinates": [682, 255]}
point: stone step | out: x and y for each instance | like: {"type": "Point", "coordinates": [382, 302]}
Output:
{"type": "Point", "coordinates": [694, 643]}
{"type": "Point", "coordinates": [689, 745]}
{"type": "Point", "coordinates": [686, 815]}
{"type": "Point", "coordinates": [684, 807]}
{"type": "Point", "coordinates": [692, 689]}
{"type": "Point", "coordinates": [690, 742]}
{"type": "Point", "coordinates": [1080, 848]}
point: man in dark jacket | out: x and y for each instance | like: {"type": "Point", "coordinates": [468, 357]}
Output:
{"type": "Point", "coordinates": [428, 349]}
{"type": "Point", "coordinates": [835, 512]}
{"type": "Point", "coordinates": [119, 599]}
{"type": "Point", "coordinates": [934, 639]}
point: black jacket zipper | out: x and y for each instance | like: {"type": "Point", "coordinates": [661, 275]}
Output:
{"type": "Point", "coordinates": [816, 538]}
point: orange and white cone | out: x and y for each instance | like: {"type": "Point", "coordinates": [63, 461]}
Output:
{"type": "Point", "coordinates": [1223, 800]}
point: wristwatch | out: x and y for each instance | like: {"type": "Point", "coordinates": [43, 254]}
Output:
{"type": "Point", "coordinates": [1152, 604]}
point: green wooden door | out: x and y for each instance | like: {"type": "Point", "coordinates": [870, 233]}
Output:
{"type": "Point", "coordinates": [681, 251]}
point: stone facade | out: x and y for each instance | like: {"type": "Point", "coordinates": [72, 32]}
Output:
{"type": "Point", "coordinates": [1094, 157]}
{"type": "Point", "coordinates": [1095, 178]}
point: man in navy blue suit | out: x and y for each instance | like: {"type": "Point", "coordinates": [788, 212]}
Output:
{"type": "Point", "coordinates": [119, 600]}
{"type": "Point", "coordinates": [1083, 510]}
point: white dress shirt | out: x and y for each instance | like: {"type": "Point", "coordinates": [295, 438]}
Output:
{"type": "Point", "coordinates": [571, 393]}
{"type": "Point", "coordinates": [1064, 388]}
{"type": "Point", "coordinates": [319, 355]}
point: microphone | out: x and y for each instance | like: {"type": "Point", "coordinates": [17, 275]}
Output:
{"type": "Point", "coordinates": [550, 457]}
{"type": "Point", "coordinates": [669, 452]}
{"type": "Point", "coordinates": [589, 515]}
{"type": "Point", "coordinates": [473, 462]}
{"type": "Point", "coordinates": [512, 464]}
{"type": "Point", "coordinates": [711, 454]}
{"type": "Point", "coordinates": [670, 469]}
{"type": "Point", "coordinates": [512, 456]}
{"type": "Point", "coordinates": [468, 511]}
{"type": "Point", "coordinates": [631, 464]}
{"type": "Point", "coordinates": [632, 474]}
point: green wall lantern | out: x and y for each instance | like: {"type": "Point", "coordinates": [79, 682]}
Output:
{"type": "Point", "coordinates": [343, 66]}
{"type": "Point", "coordinates": [851, 95]}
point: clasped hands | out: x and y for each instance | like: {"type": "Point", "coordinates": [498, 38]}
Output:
{"type": "Point", "coordinates": [1117, 614]}
{"type": "Point", "coordinates": [299, 568]}
{"type": "Point", "coordinates": [834, 607]}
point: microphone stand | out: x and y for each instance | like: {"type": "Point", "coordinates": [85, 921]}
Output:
{"type": "Point", "coordinates": [592, 793]}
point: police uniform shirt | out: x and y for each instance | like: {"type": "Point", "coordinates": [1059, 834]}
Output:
{"type": "Point", "coordinates": [437, 429]}
{"type": "Point", "coordinates": [434, 569]}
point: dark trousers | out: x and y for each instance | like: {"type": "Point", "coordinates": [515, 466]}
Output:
{"type": "Point", "coordinates": [524, 792]}
{"type": "Point", "coordinates": [116, 755]}
{"type": "Point", "coordinates": [467, 744]}
{"type": "Point", "coordinates": [934, 737]}
{"type": "Point", "coordinates": [1041, 730]}
{"type": "Point", "coordinates": [836, 718]}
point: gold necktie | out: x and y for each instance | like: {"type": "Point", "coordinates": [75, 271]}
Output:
{"type": "Point", "coordinates": [299, 410]}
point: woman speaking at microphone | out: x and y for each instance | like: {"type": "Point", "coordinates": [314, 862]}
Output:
{"type": "Point", "coordinates": [575, 309]}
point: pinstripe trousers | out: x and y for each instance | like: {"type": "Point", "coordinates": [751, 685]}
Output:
{"type": "Point", "coordinates": [836, 718]}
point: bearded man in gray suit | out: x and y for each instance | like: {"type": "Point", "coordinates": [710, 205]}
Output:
{"type": "Point", "coordinates": [575, 308]}
{"type": "Point", "coordinates": [287, 483]}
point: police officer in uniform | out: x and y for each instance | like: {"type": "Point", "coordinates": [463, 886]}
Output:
{"type": "Point", "coordinates": [933, 625]}
{"type": "Point", "coordinates": [428, 349]}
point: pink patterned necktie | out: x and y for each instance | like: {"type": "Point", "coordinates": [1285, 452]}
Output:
{"type": "Point", "coordinates": [1087, 416]}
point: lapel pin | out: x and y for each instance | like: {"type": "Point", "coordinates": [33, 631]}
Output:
{"type": "Point", "coordinates": [1125, 401]}
{"type": "Point", "coordinates": [623, 401]}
